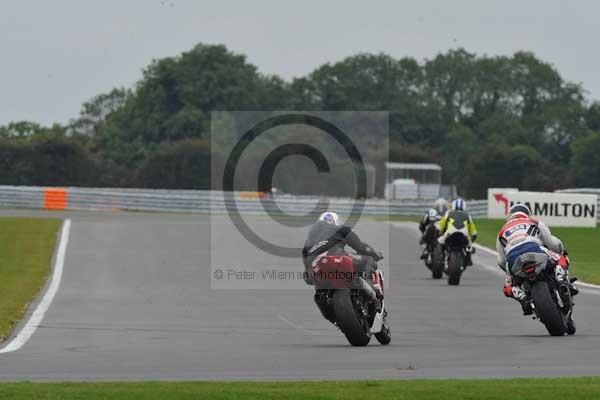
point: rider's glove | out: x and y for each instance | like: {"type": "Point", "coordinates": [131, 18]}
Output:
{"type": "Point", "coordinates": [368, 250]}
{"type": "Point", "coordinates": [379, 256]}
{"type": "Point", "coordinates": [474, 238]}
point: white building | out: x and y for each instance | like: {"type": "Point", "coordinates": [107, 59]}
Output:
{"type": "Point", "coordinates": [415, 181]}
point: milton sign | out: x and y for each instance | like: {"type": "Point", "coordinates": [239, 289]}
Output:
{"type": "Point", "coordinates": [555, 209]}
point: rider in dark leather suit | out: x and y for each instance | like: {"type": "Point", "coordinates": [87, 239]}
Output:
{"type": "Point", "coordinates": [329, 237]}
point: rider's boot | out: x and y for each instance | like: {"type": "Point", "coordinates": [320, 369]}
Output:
{"type": "Point", "coordinates": [519, 294]}
{"type": "Point", "coordinates": [561, 273]}
{"type": "Point", "coordinates": [378, 286]}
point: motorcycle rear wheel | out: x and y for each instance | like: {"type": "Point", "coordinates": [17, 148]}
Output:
{"type": "Point", "coordinates": [437, 268]}
{"type": "Point", "coordinates": [356, 331]}
{"type": "Point", "coordinates": [455, 262]}
{"type": "Point", "coordinates": [547, 309]}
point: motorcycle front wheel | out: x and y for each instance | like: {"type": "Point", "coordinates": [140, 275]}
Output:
{"type": "Point", "coordinates": [455, 262]}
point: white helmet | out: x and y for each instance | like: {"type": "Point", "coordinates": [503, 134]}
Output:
{"type": "Point", "coordinates": [441, 205]}
{"type": "Point", "coordinates": [330, 218]}
{"type": "Point", "coordinates": [432, 213]}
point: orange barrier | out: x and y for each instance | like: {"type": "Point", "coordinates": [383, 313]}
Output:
{"type": "Point", "coordinates": [251, 195]}
{"type": "Point", "coordinates": [55, 199]}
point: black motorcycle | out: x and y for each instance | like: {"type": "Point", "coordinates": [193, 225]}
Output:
{"type": "Point", "coordinates": [457, 251]}
{"type": "Point", "coordinates": [551, 300]}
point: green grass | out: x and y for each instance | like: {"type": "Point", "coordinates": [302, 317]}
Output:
{"type": "Point", "coordinates": [26, 248]}
{"type": "Point", "coordinates": [488, 230]}
{"type": "Point", "coordinates": [583, 245]}
{"type": "Point", "coordinates": [514, 389]}
{"type": "Point", "coordinates": [397, 218]}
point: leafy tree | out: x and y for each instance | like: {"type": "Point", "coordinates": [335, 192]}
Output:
{"type": "Point", "coordinates": [504, 166]}
{"type": "Point", "coordinates": [181, 165]}
{"type": "Point", "coordinates": [20, 129]}
{"type": "Point", "coordinates": [592, 117]}
{"type": "Point", "coordinates": [45, 161]}
{"type": "Point", "coordinates": [585, 164]}
{"type": "Point", "coordinates": [94, 112]}
{"type": "Point", "coordinates": [501, 120]}
{"type": "Point", "coordinates": [174, 99]}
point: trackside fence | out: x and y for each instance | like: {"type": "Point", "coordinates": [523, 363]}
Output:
{"type": "Point", "coordinates": [199, 201]}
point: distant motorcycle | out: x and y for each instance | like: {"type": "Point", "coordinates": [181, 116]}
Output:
{"type": "Point", "coordinates": [353, 303]}
{"type": "Point", "coordinates": [456, 250]}
{"type": "Point", "coordinates": [552, 301]}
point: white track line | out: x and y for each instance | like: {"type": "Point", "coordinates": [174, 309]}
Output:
{"type": "Point", "coordinates": [582, 286]}
{"type": "Point", "coordinates": [495, 269]}
{"type": "Point", "coordinates": [295, 326]}
{"type": "Point", "coordinates": [38, 314]}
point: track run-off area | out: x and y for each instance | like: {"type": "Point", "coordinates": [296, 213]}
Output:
{"type": "Point", "coordinates": [134, 302]}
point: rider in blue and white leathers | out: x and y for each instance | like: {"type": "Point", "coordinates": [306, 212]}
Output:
{"type": "Point", "coordinates": [524, 236]}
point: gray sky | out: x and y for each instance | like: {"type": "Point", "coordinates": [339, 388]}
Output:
{"type": "Point", "coordinates": [57, 54]}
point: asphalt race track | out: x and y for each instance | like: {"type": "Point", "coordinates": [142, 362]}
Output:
{"type": "Point", "coordinates": [135, 302]}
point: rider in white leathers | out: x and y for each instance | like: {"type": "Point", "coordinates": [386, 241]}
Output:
{"type": "Point", "coordinates": [521, 235]}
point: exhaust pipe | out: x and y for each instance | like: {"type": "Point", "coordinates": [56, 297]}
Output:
{"type": "Point", "coordinates": [364, 286]}
{"type": "Point", "coordinates": [564, 290]}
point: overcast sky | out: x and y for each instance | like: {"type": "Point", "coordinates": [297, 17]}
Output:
{"type": "Point", "coordinates": [57, 54]}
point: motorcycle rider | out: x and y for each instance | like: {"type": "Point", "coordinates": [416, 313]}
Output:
{"type": "Point", "coordinates": [457, 219]}
{"type": "Point", "coordinates": [328, 236]}
{"type": "Point", "coordinates": [427, 226]}
{"type": "Point", "coordinates": [522, 236]}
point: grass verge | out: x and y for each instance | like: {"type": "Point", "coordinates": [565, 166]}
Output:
{"type": "Point", "coordinates": [583, 245]}
{"type": "Point", "coordinates": [396, 218]}
{"type": "Point", "coordinates": [515, 389]}
{"type": "Point", "coordinates": [26, 248]}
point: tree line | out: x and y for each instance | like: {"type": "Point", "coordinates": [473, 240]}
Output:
{"type": "Point", "coordinates": [488, 120]}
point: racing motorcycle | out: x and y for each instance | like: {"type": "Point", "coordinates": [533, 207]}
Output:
{"type": "Point", "coordinates": [349, 301]}
{"type": "Point", "coordinates": [551, 299]}
{"type": "Point", "coordinates": [456, 250]}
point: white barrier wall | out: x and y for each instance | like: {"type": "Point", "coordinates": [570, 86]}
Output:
{"type": "Point", "coordinates": [202, 201]}
{"type": "Point", "coordinates": [555, 209]}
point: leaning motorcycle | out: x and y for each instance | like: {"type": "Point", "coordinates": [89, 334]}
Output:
{"type": "Point", "coordinates": [456, 251]}
{"type": "Point", "coordinates": [352, 302]}
{"type": "Point", "coordinates": [551, 300]}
